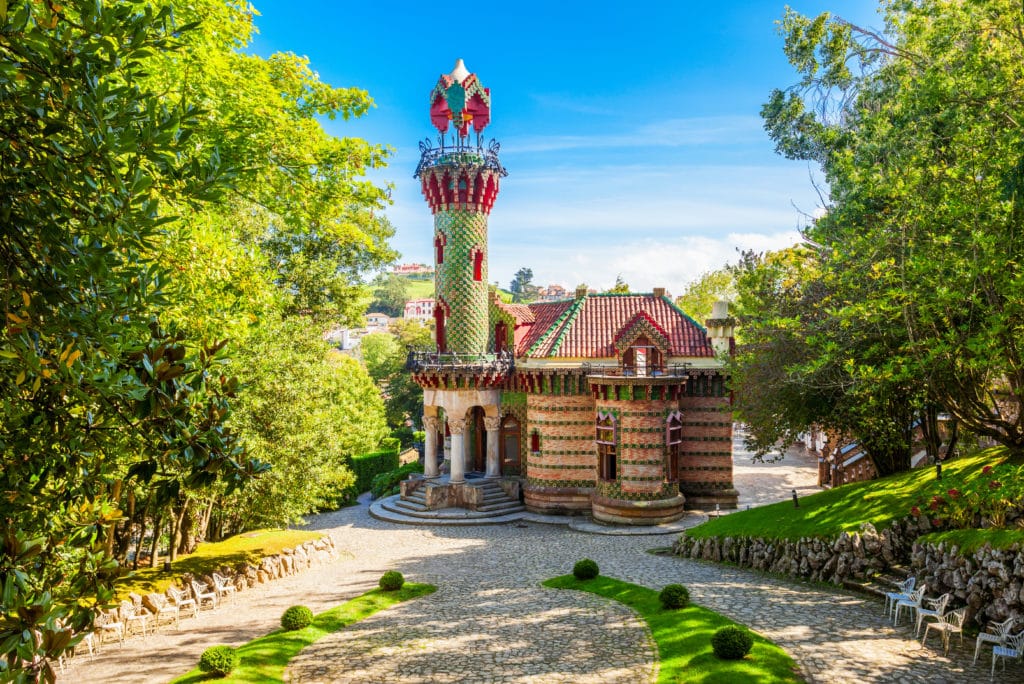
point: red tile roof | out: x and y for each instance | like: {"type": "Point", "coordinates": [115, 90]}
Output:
{"type": "Point", "coordinates": [521, 312]}
{"type": "Point", "coordinates": [587, 327]}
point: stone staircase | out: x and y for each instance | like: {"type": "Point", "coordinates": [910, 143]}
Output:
{"type": "Point", "coordinates": [496, 507]}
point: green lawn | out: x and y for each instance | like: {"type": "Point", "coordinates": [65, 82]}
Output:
{"type": "Point", "coordinates": [833, 511]}
{"type": "Point", "coordinates": [209, 556]}
{"type": "Point", "coordinates": [419, 289]}
{"type": "Point", "coordinates": [265, 659]}
{"type": "Point", "coordinates": [684, 638]}
{"type": "Point", "coordinates": [970, 541]}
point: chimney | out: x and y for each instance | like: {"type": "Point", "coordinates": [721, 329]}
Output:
{"type": "Point", "coordinates": [659, 292]}
{"type": "Point", "coordinates": [721, 328]}
{"type": "Point", "coordinates": [581, 291]}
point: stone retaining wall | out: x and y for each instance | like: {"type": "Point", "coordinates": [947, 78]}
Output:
{"type": "Point", "coordinates": [276, 566]}
{"type": "Point", "coordinates": [990, 582]}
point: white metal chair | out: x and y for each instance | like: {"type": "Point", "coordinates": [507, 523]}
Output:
{"type": "Point", "coordinates": [222, 586]}
{"type": "Point", "coordinates": [135, 613]}
{"type": "Point", "coordinates": [109, 622]}
{"type": "Point", "coordinates": [948, 624]}
{"type": "Point", "coordinates": [1000, 632]}
{"type": "Point", "coordinates": [181, 600]}
{"type": "Point", "coordinates": [935, 610]}
{"type": "Point", "coordinates": [200, 593]}
{"type": "Point", "coordinates": [1014, 648]}
{"type": "Point", "coordinates": [912, 603]}
{"type": "Point", "coordinates": [158, 605]}
{"type": "Point", "coordinates": [902, 592]}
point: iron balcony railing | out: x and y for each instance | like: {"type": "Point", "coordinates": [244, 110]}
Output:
{"type": "Point", "coordinates": [420, 360]}
{"type": "Point", "coordinates": [459, 153]}
{"type": "Point", "coordinates": [675, 370]}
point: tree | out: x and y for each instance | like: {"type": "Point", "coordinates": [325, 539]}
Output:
{"type": "Point", "coordinates": [88, 375]}
{"type": "Point", "coordinates": [390, 293]}
{"type": "Point", "coordinates": [918, 133]}
{"type": "Point", "coordinates": [306, 412]}
{"type": "Point", "coordinates": [522, 287]}
{"type": "Point", "coordinates": [384, 355]}
{"type": "Point", "coordinates": [700, 295]}
{"type": "Point", "coordinates": [620, 286]}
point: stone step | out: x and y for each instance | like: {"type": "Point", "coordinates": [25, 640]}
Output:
{"type": "Point", "coordinates": [504, 506]}
{"type": "Point", "coordinates": [406, 505]}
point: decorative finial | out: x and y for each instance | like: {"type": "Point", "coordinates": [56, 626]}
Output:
{"type": "Point", "coordinates": [460, 72]}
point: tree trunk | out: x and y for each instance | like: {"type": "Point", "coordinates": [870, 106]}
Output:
{"type": "Point", "coordinates": [155, 550]}
{"type": "Point", "coordinates": [115, 498]}
{"type": "Point", "coordinates": [204, 522]}
{"type": "Point", "coordinates": [175, 534]}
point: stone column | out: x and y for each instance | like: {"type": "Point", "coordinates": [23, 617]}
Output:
{"type": "Point", "coordinates": [493, 427]}
{"type": "Point", "coordinates": [430, 446]}
{"type": "Point", "coordinates": [457, 426]}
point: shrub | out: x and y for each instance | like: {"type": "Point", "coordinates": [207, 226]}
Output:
{"type": "Point", "coordinates": [296, 617]}
{"type": "Point", "coordinates": [366, 466]}
{"type": "Point", "coordinates": [386, 484]}
{"type": "Point", "coordinates": [732, 643]}
{"type": "Point", "coordinates": [674, 596]}
{"type": "Point", "coordinates": [585, 569]}
{"type": "Point", "coordinates": [391, 580]}
{"type": "Point", "coordinates": [219, 660]}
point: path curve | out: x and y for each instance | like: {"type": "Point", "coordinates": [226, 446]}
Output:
{"type": "Point", "coordinates": [835, 636]}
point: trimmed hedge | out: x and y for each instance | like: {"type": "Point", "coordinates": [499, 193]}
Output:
{"type": "Point", "coordinates": [297, 617]}
{"type": "Point", "coordinates": [392, 580]}
{"type": "Point", "coordinates": [219, 660]}
{"type": "Point", "coordinates": [367, 466]}
{"type": "Point", "coordinates": [731, 643]}
{"type": "Point", "coordinates": [386, 484]}
{"type": "Point", "coordinates": [585, 569]}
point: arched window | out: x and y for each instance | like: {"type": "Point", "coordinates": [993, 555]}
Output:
{"type": "Point", "coordinates": [510, 442]}
{"type": "Point", "coordinates": [442, 340]}
{"type": "Point", "coordinates": [500, 337]}
{"type": "Point", "coordinates": [606, 465]}
{"type": "Point", "coordinates": [673, 445]}
{"type": "Point", "coordinates": [478, 264]}
{"type": "Point", "coordinates": [439, 242]}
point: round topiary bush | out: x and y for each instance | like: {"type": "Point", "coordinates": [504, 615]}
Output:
{"type": "Point", "coordinates": [296, 617]}
{"type": "Point", "coordinates": [391, 580]}
{"type": "Point", "coordinates": [219, 660]}
{"type": "Point", "coordinates": [585, 569]}
{"type": "Point", "coordinates": [732, 643]}
{"type": "Point", "coordinates": [674, 596]}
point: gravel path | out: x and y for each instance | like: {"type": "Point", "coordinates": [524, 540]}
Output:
{"type": "Point", "coordinates": [489, 621]}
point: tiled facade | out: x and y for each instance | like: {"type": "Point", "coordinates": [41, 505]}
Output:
{"type": "Point", "coordinates": [608, 404]}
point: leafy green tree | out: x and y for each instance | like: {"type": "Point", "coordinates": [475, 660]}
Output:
{"type": "Point", "coordinates": [307, 410]}
{"type": "Point", "coordinates": [390, 293]}
{"type": "Point", "coordinates": [700, 295]}
{"type": "Point", "coordinates": [620, 286]}
{"type": "Point", "coordinates": [88, 156]}
{"type": "Point", "coordinates": [918, 133]}
{"type": "Point", "coordinates": [522, 287]}
{"type": "Point", "coordinates": [384, 355]}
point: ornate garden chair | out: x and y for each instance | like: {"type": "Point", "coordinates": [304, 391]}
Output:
{"type": "Point", "coordinates": [181, 600]}
{"type": "Point", "coordinates": [902, 592]}
{"type": "Point", "coordinates": [947, 624]}
{"type": "Point", "coordinates": [159, 606]}
{"type": "Point", "coordinates": [200, 593]}
{"type": "Point", "coordinates": [1000, 632]}
{"type": "Point", "coordinates": [912, 603]}
{"type": "Point", "coordinates": [935, 610]}
{"type": "Point", "coordinates": [1014, 648]}
{"type": "Point", "coordinates": [222, 586]}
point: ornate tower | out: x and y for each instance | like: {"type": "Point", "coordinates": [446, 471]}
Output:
{"type": "Point", "coordinates": [459, 179]}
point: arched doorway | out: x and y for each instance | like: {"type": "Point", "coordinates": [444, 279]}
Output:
{"type": "Point", "coordinates": [476, 458]}
{"type": "Point", "coordinates": [511, 434]}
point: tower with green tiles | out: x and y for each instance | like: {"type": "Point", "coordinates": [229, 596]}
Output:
{"type": "Point", "coordinates": [459, 178]}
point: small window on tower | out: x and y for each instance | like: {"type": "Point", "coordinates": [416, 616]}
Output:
{"type": "Point", "coordinates": [478, 265]}
{"type": "Point", "coordinates": [673, 445]}
{"type": "Point", "coordinates": [439, 245]}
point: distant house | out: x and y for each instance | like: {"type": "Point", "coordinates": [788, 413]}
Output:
{"type": "Point", "coordinates": [421, 310]}
{"type": "Point", "coordinates": [345, 339]}
{"type": "Point", "coordinates": [413, 270]}
{"type": "Point", "coordinates": [553, 293]}
{"type": "Point", "coordinates": [377, 322]}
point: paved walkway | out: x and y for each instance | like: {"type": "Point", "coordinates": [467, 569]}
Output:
{"type": "Point", "coordinates": [490, 622]}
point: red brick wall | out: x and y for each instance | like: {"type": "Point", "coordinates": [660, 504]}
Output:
{"type": "Point", "coordinates": [706, 458]}
{"type": "Point", "coordinates": [567, 457]}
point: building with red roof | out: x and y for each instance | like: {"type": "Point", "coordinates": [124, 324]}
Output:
{"type": "Point", "coordinates": [613, 405]}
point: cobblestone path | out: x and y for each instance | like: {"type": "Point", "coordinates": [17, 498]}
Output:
{"type": "Point", "coordinates": [490, 622]}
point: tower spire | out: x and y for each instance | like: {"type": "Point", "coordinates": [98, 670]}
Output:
{"type": "Point", "coordinates": [460, 183]}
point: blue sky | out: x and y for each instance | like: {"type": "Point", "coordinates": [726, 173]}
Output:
{"type": "Point", "coordinates": [630, 130]}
